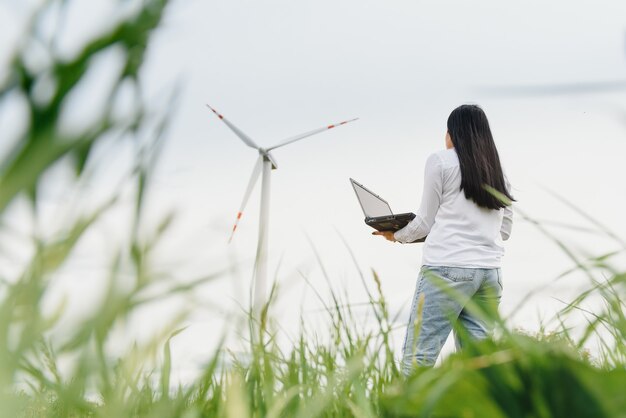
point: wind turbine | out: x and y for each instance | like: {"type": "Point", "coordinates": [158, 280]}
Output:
{"type": "Point", "coordinates": [264, 164]}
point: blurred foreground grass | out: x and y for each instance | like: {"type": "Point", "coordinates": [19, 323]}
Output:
{"type": "Point", "coordinates": [353, 373]}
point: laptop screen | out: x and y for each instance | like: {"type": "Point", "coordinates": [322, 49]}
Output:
{"type": "Point", "coordinates": [372, 205]}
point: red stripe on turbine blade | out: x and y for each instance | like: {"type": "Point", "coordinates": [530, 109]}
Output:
{"type": "Point", "coordinates": [330, 126]}
{"type": "Point", "coordinates": [232, 234]}
{"type": "Point", "coordinates": [239, 215]}
{"type": "Point", "coordinates": [215, 111]}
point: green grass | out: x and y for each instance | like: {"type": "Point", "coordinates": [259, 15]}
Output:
{"type": "Point", "coordinates": [352, 373]}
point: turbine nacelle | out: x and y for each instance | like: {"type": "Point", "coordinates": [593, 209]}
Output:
{"type": "Point", "coordinates": [268, 157]}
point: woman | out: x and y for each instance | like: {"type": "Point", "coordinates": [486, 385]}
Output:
{"type": "Point", "coordinates": [465, 214]}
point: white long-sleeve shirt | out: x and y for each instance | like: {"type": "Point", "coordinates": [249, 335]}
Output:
{"type": "Point", "coordinates": [459, 232]}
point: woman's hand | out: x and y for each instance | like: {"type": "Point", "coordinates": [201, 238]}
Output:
{"type": "Point", "coordinates": [387, 234]}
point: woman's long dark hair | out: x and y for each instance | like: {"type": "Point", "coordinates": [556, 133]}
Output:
{"type": "Point", "coordinates": [481, 172]}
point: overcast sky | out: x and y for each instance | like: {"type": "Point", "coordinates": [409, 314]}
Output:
{"type": "Point", "coordinates": [281, 67]}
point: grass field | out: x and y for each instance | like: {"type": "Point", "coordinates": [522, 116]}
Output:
{"type": "Point", "coordinates": [354, 373]}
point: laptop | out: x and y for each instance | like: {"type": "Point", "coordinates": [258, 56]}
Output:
{"type": "Point", "coordinates": [377, 211]}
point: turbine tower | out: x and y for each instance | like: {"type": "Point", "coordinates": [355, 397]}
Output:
{"type": "Point", "coordinates": [264, 164]}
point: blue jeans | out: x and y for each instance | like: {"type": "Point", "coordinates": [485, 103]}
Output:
{"type": "Point", "coordinates": [438, 308]}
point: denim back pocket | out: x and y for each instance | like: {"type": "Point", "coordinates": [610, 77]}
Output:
{"type": "Point", "coordinates": [458, 274]}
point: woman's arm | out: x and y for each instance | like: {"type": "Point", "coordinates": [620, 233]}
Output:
{"type": "Point", "coordinates": [432, 193]}
{"type": "Point", "coordinates": [507, 219]}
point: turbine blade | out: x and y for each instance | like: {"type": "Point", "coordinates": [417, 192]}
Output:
{"type": "Point", "coordinates": [256, 171]}
{"type": "Point", "coordinates": [310, 133]}
{"type": "Point", "coordinates": [245, 138]}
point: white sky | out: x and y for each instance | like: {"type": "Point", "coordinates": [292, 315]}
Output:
{"type": "Point", "coordinates": [281, 67]}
